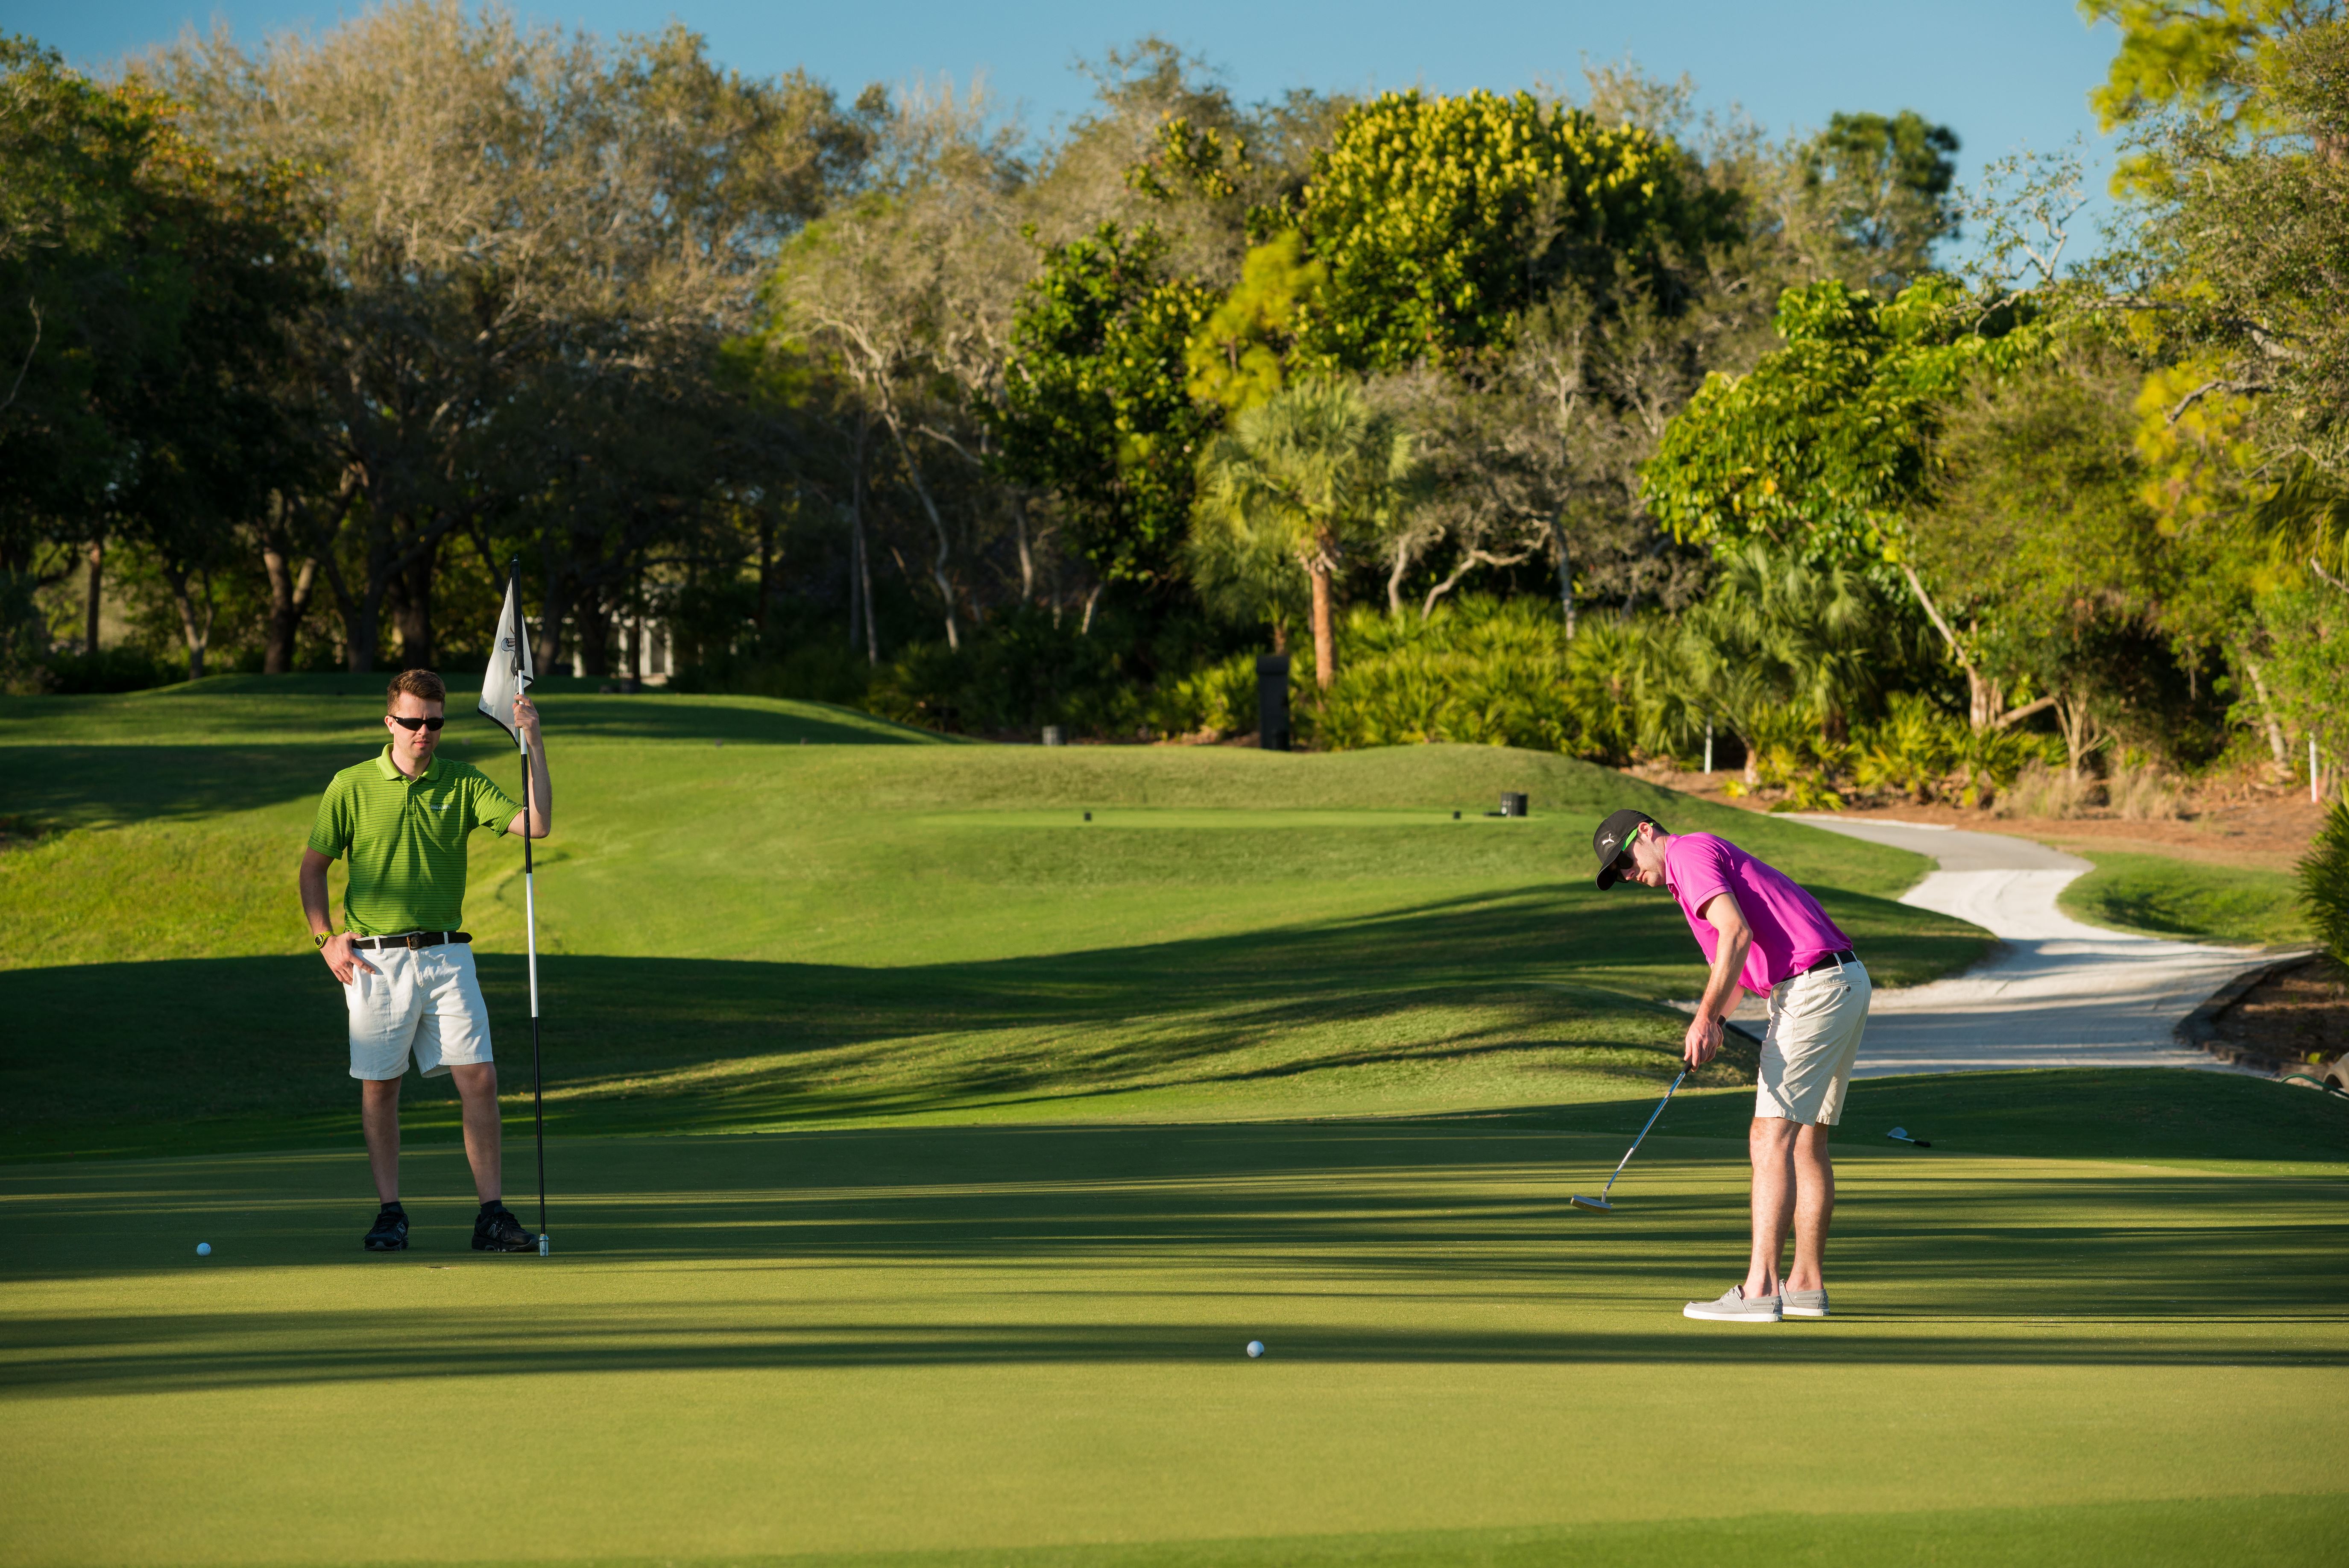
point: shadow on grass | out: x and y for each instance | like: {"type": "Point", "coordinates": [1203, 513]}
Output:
{"type": "Point", "coordinates": [1154, 1244]}
{"type": "Point", "coordinates": [114, 1059]}
{"type": "Point", "coordinates": [269, 753]}
{"type": "Point", "coordinates": [673, 1045]}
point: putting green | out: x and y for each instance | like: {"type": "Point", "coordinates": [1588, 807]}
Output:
{"type": "Point", "coordinates": [993, 1341]}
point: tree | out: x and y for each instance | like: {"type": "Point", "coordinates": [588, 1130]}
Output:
{"type": "Point", "coordinates": [94, 291]}
{"type": "Point", "coordinates": [2203, 56]}
{"type": "Point", "coordinates": [1240, 357]}
{"type": "Point", "coordinates": [1095, 407]}
{"type": "Point", "coordinates": [1441, 220]}
{"type": "Point", "coordinates": [2040, 539]}
{"type": "Point", "coordinates": [1884, 184]}
{"type": "Point", "coordinates": [1312, 474]}
{"type": "Point", "coordinates": [1826, 447]}
{"type": "Point", "coordinates": [514, 216]}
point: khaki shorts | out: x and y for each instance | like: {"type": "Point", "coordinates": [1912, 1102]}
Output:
{"type": "Point", "coordinates": [426, 1002]}
{"type": "Point", "coordinates": [1813, 1044]}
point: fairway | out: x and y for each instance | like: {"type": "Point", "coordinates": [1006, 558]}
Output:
{"type": "Point", "coordinates": [924, 1155]}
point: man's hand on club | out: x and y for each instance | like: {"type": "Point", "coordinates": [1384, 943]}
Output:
{"type": "Point", "coordinates": [343, 959]}
{"type": "Point", "coordinates": [1703, 1041]}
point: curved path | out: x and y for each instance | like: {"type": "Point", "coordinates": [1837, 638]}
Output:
{"type": "Point", "coordinates": [2055, 993]}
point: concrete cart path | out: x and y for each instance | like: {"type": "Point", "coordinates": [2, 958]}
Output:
{"type": "Point", "coordinates": [2055, 993]}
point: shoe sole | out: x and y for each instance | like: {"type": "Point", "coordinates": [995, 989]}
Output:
{"type": "Point", "coordinates": [386, 1246]}
{"type": "Point", "coordinates": [482, 1246]}
{"type": "Point", "coordinates": [1805, 1312]}
{"type": "Point", "coordinates": [1728, 1317]}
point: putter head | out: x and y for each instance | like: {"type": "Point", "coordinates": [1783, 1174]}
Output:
{"type": "Point", "coordinates": [1600, 1204]}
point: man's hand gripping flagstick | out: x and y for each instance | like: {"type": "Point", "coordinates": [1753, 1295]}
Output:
{"type": "Point", "coordinates": [508, 677]}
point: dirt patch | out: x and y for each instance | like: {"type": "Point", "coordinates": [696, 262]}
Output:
{"type": "Point", "coordinates": [2295, 1017]}
{"type": "Point", "coordinates": [2234, 824]}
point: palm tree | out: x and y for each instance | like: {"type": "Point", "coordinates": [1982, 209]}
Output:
{"type": "Point", "coordinates": [1777, 633]}
{"type": "Point", "coordinates": [1305, 477]}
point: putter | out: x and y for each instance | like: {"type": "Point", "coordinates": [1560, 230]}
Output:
{"type": "Point", "coordinates": [1600, 1202]}
{"type": "Point", "coordinates": [1900, 1135]}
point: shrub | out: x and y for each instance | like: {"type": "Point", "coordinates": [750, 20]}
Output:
{"type": "Point", "coordinates": [1912, 752]}
{"type": "Point", "coordinates": [1482, 672]}
{"type": "Point", "coordinates": [1221, 698]}
{"type": "Point", "coordinates": [2138, 789]}
{"type": "Point", "coordinates": [2039, 790]}
{"type": "Point", "coordinates": [2324, 882]}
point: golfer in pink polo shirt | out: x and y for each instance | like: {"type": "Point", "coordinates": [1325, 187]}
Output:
{"type": "Point", "coordinates": [1760, 933]}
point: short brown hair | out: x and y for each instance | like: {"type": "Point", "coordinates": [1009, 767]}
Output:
{"type": "Point", "coordinates": [420, 683]}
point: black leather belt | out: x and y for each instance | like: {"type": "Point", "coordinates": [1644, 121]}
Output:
{"type": "Point", "coordinates": [413, 940]}
{"type": "Point", "coordinates": [1833, 960]}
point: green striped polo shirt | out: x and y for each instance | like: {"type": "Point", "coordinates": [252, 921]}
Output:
{"type": "Point", "coordinates": [406, 838]}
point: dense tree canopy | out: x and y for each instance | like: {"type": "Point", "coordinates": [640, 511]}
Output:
{"type": "Point", "coordinates": [1622, 424]}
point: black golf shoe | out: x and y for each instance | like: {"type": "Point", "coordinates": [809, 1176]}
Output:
{"type": "Point", "coordinates": [497, 1231]}
{"type": "Point", "coordinates": [390, 1232]}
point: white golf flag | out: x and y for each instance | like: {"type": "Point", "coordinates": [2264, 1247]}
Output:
{"type": "Point", "coordinates": [509, 674]}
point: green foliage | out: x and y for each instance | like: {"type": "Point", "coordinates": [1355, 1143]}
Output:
{"type": "Point", "coordinates": [1824, 446]}
{"type": "Point", "coordinates": [2039, 538]}
{"type": "Point", "coordinates": [1094, 406]}
{"type": "Point", "coordinates": [2324, 882]}
{"type": "Point", "coordinates": [1912, 751]}
{"type": "Point", "coordinates": [1239, 358]}
{"type": "Point", "coordinates": [1442, 218]}
{"type": "Point", "coordinates": [2203, 56]}
{"type": "Point", "coordinates": [1884, 182]}
{"type": "Point", "coordinates": [1314, 476]}
{"type": "Point", "coordinates": [1486, 672]}
{"type": "Point", "coordinates": [1221, 698]}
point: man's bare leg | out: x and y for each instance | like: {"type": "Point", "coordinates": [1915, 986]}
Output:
{"type": "Point", "coordinates": [1814, 1172]}
{"type": "Point", "coordinates": [1771, 1142]}
{"type": "Point", "coordinates": [476, 1088]}
{"type": "Point", "coordinates": [379, 1120]}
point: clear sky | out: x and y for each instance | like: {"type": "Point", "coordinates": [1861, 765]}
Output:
{"type": "Point", "coordinates": [2002, 73]}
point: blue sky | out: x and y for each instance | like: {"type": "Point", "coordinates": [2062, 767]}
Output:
{"type": "Point", "coordinates": [2003, 73]}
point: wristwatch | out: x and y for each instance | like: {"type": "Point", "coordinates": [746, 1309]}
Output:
{"type": "Point", "coordinates": [321, 939]}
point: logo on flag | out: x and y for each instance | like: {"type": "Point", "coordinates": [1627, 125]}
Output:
{"type": "Point", "coordinates": [509, 672]}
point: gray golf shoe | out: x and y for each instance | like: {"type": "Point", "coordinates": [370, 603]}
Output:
{"type": "Point", "coordinates": [1805, 1304]}
{"type": "Point", "coordinates": [1734, 1307]}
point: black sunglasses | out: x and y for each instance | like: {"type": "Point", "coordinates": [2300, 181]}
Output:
{"type": "Point", "coordinates": [410, 725]}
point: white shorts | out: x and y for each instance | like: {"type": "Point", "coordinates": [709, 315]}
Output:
{"type": "Point", "coordinates": [1813, 1044]}
{"type": "Point", "coordinates": [425, 1001]}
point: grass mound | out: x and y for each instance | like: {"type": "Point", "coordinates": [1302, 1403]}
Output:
{"type": "Point", "coordinates": [2189, 901]}
{"type": "Point", "coordinates": [747, 926]}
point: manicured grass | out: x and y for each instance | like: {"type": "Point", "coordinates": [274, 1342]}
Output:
{"type": "Point", "coordinates": [923, 1155]}
{"type": "Point", "coordinates": [2188, 899]}
{"type": "Point", "coordinates": [769, 932]}
{"type": "Point", "coordinates": [1015, 1344]}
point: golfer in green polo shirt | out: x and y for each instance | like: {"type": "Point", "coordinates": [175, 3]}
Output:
{"type": "Point", "coordinates": [406, 970]}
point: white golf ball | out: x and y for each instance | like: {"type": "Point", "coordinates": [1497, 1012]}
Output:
{"type": "Point", "coordinates": [204, 1249]}
{"type": "Point", "coordinates": [1256, 1347]}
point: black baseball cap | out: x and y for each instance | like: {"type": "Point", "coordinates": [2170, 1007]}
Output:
{"type": "Point", "coordinates": [1608, 841]}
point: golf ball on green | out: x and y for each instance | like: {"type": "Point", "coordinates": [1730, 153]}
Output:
{"type": "Point", "coordinates": [1256, 1347]}
{"type": "Point", "coordinates": [204, 1249]}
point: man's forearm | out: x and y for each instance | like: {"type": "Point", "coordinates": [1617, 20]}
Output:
{"type": "Point", "coordinates": [317, 908]}
{"type": "Point", "coordinates": [1720, 988]}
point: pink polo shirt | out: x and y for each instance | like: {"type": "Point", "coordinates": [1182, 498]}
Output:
{"type": "Point", "coordinates": [1791, 933]}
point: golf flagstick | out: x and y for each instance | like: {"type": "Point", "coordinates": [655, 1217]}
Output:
{"type": "Point", "coordinates": [513, 642]}
{"type": "Point", "coordinates": [1600, 1203]}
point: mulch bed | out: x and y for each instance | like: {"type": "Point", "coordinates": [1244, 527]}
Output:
{"type": "Point", "coordinates": [2295, 1017]}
